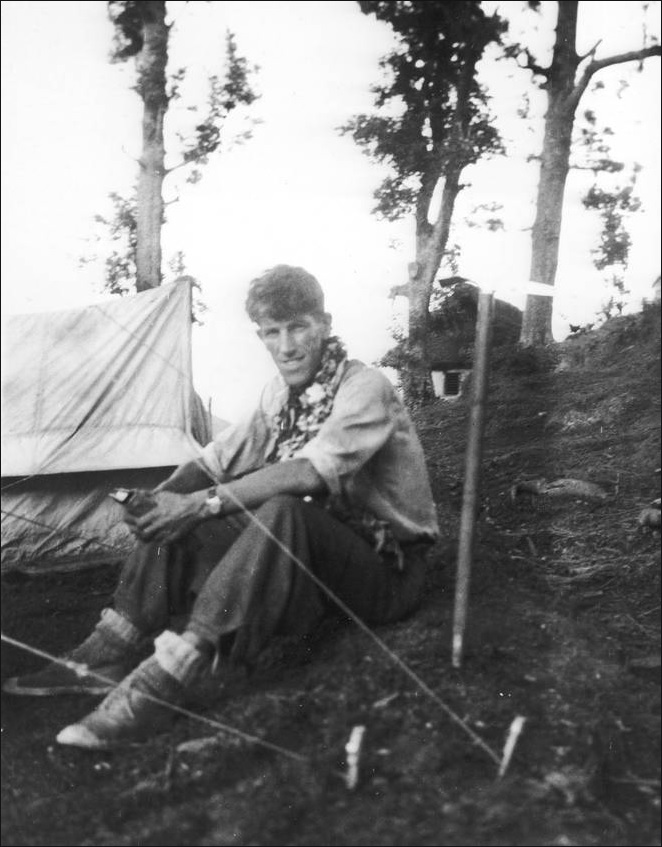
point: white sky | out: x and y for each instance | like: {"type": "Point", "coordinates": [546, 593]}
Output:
{"type": "Point", "coordinates": [296, 193]}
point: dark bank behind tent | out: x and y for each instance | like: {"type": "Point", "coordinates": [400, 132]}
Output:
{"type": "Point", "coordinates": [92, 399]}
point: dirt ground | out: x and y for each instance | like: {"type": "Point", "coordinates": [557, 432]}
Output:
{"type": "Point", "coordinates": [563, 629]}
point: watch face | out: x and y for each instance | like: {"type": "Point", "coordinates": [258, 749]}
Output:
{"type": "Point", "coordinates": [214, 505]}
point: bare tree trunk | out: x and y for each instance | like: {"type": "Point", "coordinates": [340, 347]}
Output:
{"type": "Point", "coordinates": [545, 237]}
{"type": "Point", "coordinates": [431, 241]}
{"type": "Point", "coordinates": [564, 91]}
{"type": "Point", "coordinates": [151, 63]}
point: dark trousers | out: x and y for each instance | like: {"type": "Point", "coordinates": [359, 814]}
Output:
{"type": "Point", "coordinates": [231, 577]}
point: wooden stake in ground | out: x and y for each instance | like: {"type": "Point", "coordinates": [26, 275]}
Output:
{"type": "Point", "coordinates": [353, 750]}
{"type": "Point", "coordinates": [479, 376]}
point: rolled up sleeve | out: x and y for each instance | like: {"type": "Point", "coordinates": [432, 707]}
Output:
{"type": "Point", "coordinates": [242, 447]}
{"type": "Point", "coordinates": [360, 424]}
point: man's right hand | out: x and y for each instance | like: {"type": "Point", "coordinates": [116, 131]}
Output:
{"type": "Point", "coordinates": [140, 502]}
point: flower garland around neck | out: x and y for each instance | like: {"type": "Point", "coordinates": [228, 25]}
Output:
{"type": "Point", "coordinates": [302, 416]}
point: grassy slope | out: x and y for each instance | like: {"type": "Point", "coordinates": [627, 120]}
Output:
{"type": "Point", "coordinates": [564, 608]}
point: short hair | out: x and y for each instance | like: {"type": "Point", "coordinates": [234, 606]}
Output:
{"type": "Point", "coordinates": [282, 292]}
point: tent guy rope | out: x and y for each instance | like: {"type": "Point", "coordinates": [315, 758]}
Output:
{"type": "Point", "coordinates": [417, 680]}
{"type": "Point", "coordinates": [83, 670]}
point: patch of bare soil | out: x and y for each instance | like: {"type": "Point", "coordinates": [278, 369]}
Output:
{"type": "Point", "coordinates": [563, 629]}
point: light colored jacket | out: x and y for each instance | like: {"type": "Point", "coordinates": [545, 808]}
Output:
{"type": "Point", "coordinates": [367, 451]}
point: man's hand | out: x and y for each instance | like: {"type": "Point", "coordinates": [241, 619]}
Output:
{"type": "Point", "coordinates": [162, 515]}
{"type": "Point", "coordinates": [170, 516]}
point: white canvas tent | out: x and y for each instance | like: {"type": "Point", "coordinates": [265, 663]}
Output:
{"type": "Point", "coordinates": [92, 399]}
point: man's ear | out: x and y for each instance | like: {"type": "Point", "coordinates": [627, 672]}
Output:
{"type": "Point", "coordinates": [326, 320]}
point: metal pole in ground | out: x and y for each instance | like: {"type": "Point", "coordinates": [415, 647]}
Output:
{"type": "Point", "coordinates": [479, 376]}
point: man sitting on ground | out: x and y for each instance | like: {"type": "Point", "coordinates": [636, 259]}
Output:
{"type": "Point", "coordinates": [327, 477]}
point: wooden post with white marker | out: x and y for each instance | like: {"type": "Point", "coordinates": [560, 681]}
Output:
{"type": "Point", "coordinates": [472, 470]}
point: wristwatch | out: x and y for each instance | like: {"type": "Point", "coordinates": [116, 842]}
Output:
{"type": "Point", "coordinates": [213, 504]}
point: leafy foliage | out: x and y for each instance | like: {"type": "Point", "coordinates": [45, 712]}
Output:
{"type": "Point", "coordinates": [119, 227]}
{"type": "Point", "coordinates": [226, 93]}
{"type": "Point", "coordinates": [128, 17]}
{"type": "Point", "coordinates": [431, 120]}
{"type": "Point", "coordinates": [431, 111]}
{"type": "Point", "coordinates": [615, 203]}
{"type": "Point", "coordinates": [613, 206]}
{"type": "Point", "coordinates": [178, 272]}
{"type": "Point", "coordinates": [592, 148]}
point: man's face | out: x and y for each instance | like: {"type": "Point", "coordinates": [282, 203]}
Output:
{"type": "Point", "coordinates": [296, 345]}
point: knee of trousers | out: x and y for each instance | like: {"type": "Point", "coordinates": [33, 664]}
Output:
{"type": "Point", "coordinates": [279, 506]}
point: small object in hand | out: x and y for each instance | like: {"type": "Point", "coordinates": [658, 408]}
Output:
{"type": "Point", "coordinates": [135, 500]}
{"type": "Point", "coordinates": [122, 495]}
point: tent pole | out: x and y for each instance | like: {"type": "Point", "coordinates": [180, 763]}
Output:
{"type": "Point", "coordinates": [472, 471]}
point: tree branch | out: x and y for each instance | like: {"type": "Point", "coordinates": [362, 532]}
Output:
{"type": "Point", "coordinates": [591, 52]}
{"type": "Point", "coordinates": [168, 171]}
{"type": "Point", "coordinates": [532, 65]}
{"type": "Point", "coordinates": [599, 64]}
{"type": "Point", "coordinates": [631, 56]}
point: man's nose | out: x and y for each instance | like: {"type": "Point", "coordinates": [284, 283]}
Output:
{"type": "Point", "coordinates": [286, 343]}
